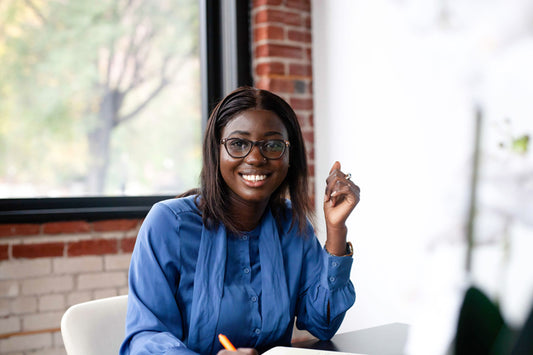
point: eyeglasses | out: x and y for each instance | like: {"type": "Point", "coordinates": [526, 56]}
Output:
{"type": "Point", "coordinates": [269, 148]}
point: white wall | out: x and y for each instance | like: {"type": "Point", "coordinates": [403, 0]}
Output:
{"type": "Point", "coordinates": [396, 85]}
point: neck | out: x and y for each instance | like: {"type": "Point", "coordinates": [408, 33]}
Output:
{"type": "Point", "coordinates": [246, 215]}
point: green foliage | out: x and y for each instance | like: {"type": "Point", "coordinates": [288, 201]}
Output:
{"type": "Point", "coordinates": [59, 59]}
{"type": "Point", "coordinates": [520, 144]}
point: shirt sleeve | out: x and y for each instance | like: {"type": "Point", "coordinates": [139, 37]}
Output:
{"type": "Point", "coordinates": [327, 292]}
{"type": "Point", "coordinates": [154, 321]}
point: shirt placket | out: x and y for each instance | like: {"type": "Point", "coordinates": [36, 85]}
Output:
{"type": "Point", "coordinates": [253, 297]}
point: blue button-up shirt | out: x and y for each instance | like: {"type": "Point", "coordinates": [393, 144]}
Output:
{"type": "Point", "coordinates": [189, 283]}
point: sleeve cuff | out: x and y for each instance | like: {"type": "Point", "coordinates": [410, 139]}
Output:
{"type": "Point", "coordinates": [338, 269]}
{"type": "Point", "coordinates": [349, 250]}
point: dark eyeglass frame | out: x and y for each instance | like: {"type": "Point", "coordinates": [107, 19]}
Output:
{"type": "Point", "coordinates": [259, 144]}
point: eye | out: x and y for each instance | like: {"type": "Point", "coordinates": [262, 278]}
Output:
{"type": "Point", "coordinates": [274, 146]}
{"type": "Point", "coordinates": [238, 144]}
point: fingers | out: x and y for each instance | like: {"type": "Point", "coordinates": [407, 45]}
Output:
{"type": "Point", "coordinates": [336, 166]}
{"type": "Point", "coordinates": [339, 187]}
{"type": "Point", "coordinates": [343, 190]}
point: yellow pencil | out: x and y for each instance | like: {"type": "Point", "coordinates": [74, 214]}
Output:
{"type": "Point", "coordinates": [226, 343]}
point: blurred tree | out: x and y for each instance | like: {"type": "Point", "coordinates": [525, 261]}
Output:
{"type": "Point", "coordinates": [87, 66]}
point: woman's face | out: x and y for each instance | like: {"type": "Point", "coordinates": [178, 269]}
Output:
{"type": "Point", "coordinates": [253, 178]}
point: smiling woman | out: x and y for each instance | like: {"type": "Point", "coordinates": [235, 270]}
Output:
{"type": "Point", "coordinates": [252, 178]}
{"type": "Point", "coordinates": [240, 255]}
{"type": "Point", "coordinates": [240, 115]}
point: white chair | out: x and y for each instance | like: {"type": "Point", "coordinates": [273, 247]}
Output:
{"type": "Point", "coordinates": [95, 327]}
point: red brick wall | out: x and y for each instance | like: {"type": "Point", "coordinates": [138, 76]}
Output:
{"type": "Point", "coordinates": [88, 243]}
{"type": "Point", "coordinates": [45, 268]}
{"type": "Point", "coordinates": [282, 60]}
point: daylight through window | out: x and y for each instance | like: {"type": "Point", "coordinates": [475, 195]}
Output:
{"type": "Point", "coordinates": [99, 98]}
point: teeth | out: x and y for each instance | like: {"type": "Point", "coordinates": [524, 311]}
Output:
{"type": "Point", "coordinates": [254, 177]}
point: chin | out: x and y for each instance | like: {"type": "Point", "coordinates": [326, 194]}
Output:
{"type": "Point", "coordinates": [255, 198]}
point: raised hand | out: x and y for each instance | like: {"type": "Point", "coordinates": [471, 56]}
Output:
{"type": "Point", "coordinates": [340, 198]}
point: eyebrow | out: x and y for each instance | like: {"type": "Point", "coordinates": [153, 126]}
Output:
{"type": "Point", "coordinates": [266, 134]}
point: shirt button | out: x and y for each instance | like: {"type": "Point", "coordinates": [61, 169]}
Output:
{"type": "Point", "coordinates": [244, 237]}
{"type": "Point", "coordinates": [334, 264]}
{"type": "Point", "coordinates": [257, 331]}
{"type": "Point", "coordinates": [254, 299]}
{"type": "Point", "coordinates": [332, 278]}
{"type": "Point", "coordinates": [246, 270]}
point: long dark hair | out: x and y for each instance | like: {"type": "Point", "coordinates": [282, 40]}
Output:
{"type": "Point", "coordinates": [213, 192]}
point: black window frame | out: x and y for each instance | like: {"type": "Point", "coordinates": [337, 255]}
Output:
{"type": "Point", "coordinates": [214, 81]}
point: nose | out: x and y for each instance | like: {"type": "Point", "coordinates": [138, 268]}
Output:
{"type": "Point", "coordinates": [255, 156]}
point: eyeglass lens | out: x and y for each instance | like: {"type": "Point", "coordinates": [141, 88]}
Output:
{"type": "Point", "coordinates": [270, 149]}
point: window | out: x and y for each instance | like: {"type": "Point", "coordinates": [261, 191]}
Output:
{"type": "Point", "coordinates": [107, 99]}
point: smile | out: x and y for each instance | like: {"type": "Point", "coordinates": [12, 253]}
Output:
{"type": "Point", "coordinates": [254, 178]}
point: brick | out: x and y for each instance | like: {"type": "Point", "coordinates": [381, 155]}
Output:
{"type": "Point", "coordinates": [109, 292]}
{"type": "Point", "coordinates": [39, 250]}
{"type": "Point", "coordinates": [101, 280]}
{"type": "Point", "coordinates": [9, 230]}
{"type": "Point", "coordinates": [258, 3]}
{"type": "Point", "coordinates": [127, 244]}
{"type": "Point", "coordinates": [42, 321]}
{"type": "Point", "coordinates": [309, 136]}
{"type": "Point", "coordinates": [302, 5]}
{"type": "Point", "coordinates": [279, 86]}
{"type": "Point", "coordinates": [117, 262]}
{"type": "Point", "coordinates": [66, 227]}
{"type": "Point", "coordinates": [78, 297]}
{"type": "Point", "coordinates": [267, 15]}
{"type": "Point", "coordinates": [270, 68]}
{"type": "Point", "coordinates": [115, 225]}
{"type": "Point", "coordinates": [311, 168]}
{"type": "Point", "coordinates": [4, 252]}
{"type": "Point", "coordinates": [301, 36]}
{"type": "Point", "coordinates": [53, 302]}
{"type": "Point", "coordinates": [311, 157]}
{"type": "Point", "coordinates": [309, 54]}
{"type": "Point", "coordinates": [78, 264]}
{"type": "Point", "coordinates": [46, 285]}
{"type": "Point", "coordinates": [280, 51]}
{"type": "Point", "coordinates": [20, 269]}
{"type": "Point", "coordinates": [25, 342]}
{"type": "Point", "coordinates": [23, 305]}
{"type": "Point", "coordinates": [9, 288]}
{"type": "Point", "coordinates": [9, 325]}
{"type": "Point", "coordinates": [301, 104]}
{"type": "Point", "coordinates": [300, 69]}
{"type": "Point", "coordinates": [92, 247]}
{"type": "Point", "coordinates": [307, 20]}
{"type": "Point", "coordinates": [269, 32]}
